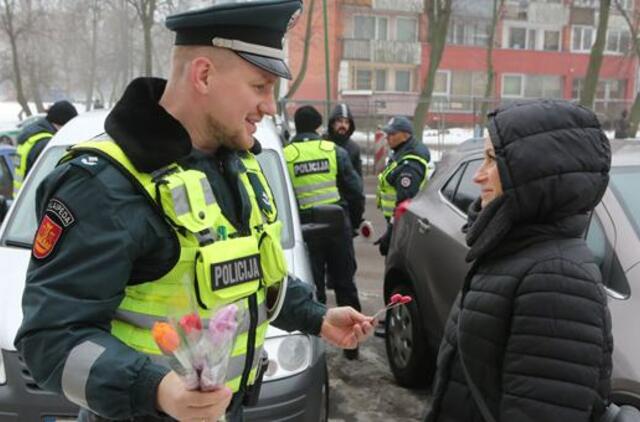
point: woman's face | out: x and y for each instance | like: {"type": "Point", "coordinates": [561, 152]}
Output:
{"type": "Point", "coordinates": [487, 176]}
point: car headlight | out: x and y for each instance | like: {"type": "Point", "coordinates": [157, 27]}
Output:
{"type": "Point", "coordinates": [288, 355]}
{"type": "Point", "coordinates": [3, 374]}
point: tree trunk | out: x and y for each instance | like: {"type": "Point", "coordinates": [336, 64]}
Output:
{"type": "Point", "coordinates": [148, 56]}
{"type": "Point", "coordinates": [488, 89]}
{"type": "Point", "coordinates": [305, 54]}
{"type": "Point", "coordinates": [439, 12]}
{"type": "Point", "coordinates": [34, 84]}
{"type": "Point", "coordinates": [95, 17]}
{"type": "Point", "coordinates": [595, 60]}
{"type": "Point", "coordinates": [8, 27]}
{"type": "Point", "coordinates": [634, 114]}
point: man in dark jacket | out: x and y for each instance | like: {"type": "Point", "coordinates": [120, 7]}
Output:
{"type": "Point", "coordinates": [529, 339]}
{"type": "Point", "coordinates": [33, 138]}
{"type": "Point", "coordinates": [340, 128]}
{"type": "Point", "coordinates": [321, 173]}
{"type": "Point", "coordinates": [405, 174]}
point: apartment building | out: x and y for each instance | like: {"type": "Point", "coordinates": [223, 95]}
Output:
{"type": "Point", "coordinates": [379, 55]}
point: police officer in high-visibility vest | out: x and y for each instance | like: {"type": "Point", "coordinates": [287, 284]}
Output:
{"type": "Point", "coordinates": [404, 175]}
{"type": "Point", "coordinates": [33, 138]}
{"type": "Point", "coordinates": [169, 204]}
{"type": "Point", "coordinates": [322, 173]}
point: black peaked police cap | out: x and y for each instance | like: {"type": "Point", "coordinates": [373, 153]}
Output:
{"type": "Point", "coordinates": [254, 30]}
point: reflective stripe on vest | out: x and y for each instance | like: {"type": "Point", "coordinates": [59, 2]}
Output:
{"type": "Point", "coordinates": [186, 199]}
{"type": "Point", "coordinates": [313, 167]}
{"type": "Point", "coordinates": [386, 194]}
{"type": "Point", "coordinates": [22, 153]}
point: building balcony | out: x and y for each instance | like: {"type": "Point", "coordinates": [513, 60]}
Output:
{"type": "Point", "coordinates": [380, 51]}
{"type": "Point", "coordinates": [411, 6]}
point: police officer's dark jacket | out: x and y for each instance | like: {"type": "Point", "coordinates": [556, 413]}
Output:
{"type": "Point", "coordinates": [345, 141]}
{"type": "Point", "coordinates": [534, 328]}
{"type": "Point", "coordinates": [112, 238]}
{"type": "Point", "coordinates": [409, 175]}
{"type": "Point", "coordinates": [349, 182]}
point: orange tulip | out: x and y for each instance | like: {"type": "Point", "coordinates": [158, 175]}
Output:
{"type": "Point", "coordinates": [165, 337]}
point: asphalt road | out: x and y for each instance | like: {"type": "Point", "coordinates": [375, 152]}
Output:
{"type": "Point", "coordinates": [365, 390]}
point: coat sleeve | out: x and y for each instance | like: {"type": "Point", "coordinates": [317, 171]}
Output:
{"type": "Point", "coordinates": [350, 187]}
{"type": "Point", "coordinates": [559, 346]}
{"type": "Point", "coordinates": [300, 311]}
{"type": "Point", "coordinates": [75, 281]}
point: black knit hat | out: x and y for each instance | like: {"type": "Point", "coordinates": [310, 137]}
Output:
{"type": "Point", "coordinates": [61, 112]}
{"type": "Point", "coordinates": [307, 119]}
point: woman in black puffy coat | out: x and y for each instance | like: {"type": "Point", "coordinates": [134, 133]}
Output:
{"type": "Point", "coordinates": [532, 324]}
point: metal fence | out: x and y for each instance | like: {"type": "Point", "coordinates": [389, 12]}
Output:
{"type": "Point", "coordinates": [450, 120]}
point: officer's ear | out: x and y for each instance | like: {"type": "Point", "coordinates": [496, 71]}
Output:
{"type": "Point", "coordinates": [202, 73]}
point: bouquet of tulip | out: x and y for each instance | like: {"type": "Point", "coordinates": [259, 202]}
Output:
{"type": "Point", "coordinates": [199, 352]}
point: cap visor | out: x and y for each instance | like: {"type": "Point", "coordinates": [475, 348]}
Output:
{"type": "Point", "coordinates": [388, 130]}
{"type": "Point", "coordinates": [275, 66]}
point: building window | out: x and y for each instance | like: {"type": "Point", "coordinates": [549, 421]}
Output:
{"type": "Point", "coordinates": [381, 79]}
{"type": "Point", "coordinates": [582, 38]}
{"type": "Point", "coordinates": [370, 27]}
{"type": "Point", "coordinates": [607, 89]}
{"type": "Point", "coordinates": [543, 86]}
{"type": "Point", "coordinates": [441, 83]}
{"type": "Point", "coordinates": [617, 41]}
{"type": "Point", "coordinates": [517, 38]}
{"type": "Point", "coordinates": [363, 79]}
{"type": "Point", "coordinates": [551, 41]}
{"type": "Point", "coordinates": [403, 80]}
{"type": "Point", "coordinates": [512, 85]}
{"type": "Point", "coordinates": [466, 33]}
{"type": "Point", "coordinates": [406, 29]}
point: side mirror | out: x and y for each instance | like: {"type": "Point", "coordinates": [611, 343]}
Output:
{"type": "Point", "coordinates": [322, 220]}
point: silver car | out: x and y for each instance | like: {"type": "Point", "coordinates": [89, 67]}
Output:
{"type": "Point", "coordinates": [426, 260]}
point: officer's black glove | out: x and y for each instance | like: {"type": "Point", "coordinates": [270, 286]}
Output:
{"type": "Point", "coordinates": [384, 241]}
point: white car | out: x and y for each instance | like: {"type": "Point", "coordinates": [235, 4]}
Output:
{"type": "Point", "coordinates": [296, 382]}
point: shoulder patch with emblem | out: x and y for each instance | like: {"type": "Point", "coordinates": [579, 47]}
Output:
{"type": "Point", "coordinates": [90, 163]}
{"type": "Point", "coordinates": [56, 220]}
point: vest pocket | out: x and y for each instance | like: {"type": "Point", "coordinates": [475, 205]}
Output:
{"type": "Point", "coordinates": [227, 271]}
{"type": "Point", "coordinates": [274, 264]}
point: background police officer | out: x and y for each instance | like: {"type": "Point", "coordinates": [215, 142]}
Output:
{"type": "Point", "coordinates": [33, 138]}
{"type": "Point", "coordinates": [322, 174]}
{"type": "Point", "coordinates": [404, 175]}
{"type": "Point", "coordinates": [105, 235]}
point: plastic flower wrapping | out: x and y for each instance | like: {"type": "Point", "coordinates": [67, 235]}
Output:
{"type": "Point", "coordinates": [199, 351]}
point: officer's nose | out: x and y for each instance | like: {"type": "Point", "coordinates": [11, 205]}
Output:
{"type": "Point", "coordinates": [268, 106]}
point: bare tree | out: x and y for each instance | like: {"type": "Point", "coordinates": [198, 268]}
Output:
{"type": "Point", "coordinates": [488, 90]}
{"type": "Point", "coordinates": [595, 59]}
{"type": "Point", "coordinates": [11, 25]}
{"type": "Point", "coordinates": [95, 11]}
{"type": "Point", "coordinates": [438, 13]}
{"type": "Point", "coordinates": [305, 53]}
{"type": "Point", "coordinates": [634, 115]}
{"type": "Point", "coordinates": [146, 9]}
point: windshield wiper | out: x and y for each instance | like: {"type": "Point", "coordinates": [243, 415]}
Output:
{"type": "Point", "coordinates": [18, 244]}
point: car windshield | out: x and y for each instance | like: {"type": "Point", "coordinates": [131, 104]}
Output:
{"type": "Point", "coordinates": [624, 183]}
{"type": "Point", "coordinates": [23, 224]}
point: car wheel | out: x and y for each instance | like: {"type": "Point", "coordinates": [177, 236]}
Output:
{"type": "Point", "coordinates": [410, 359]}
{"type": "Point", "coordinates": [324, 404]}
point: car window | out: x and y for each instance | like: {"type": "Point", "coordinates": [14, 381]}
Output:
{"type": "Point", "coordinates": [23, 224]}
{"type": "Point", "coordinates": [613, 276]}
{"type": "Point", "coordinates": [449, 189]}
{"type": "Point", "coordinates": [624, 184]}
{"type": "Point", "coordinates": [22, 227]}
{"type": "Point", "coordinates": [597, 241]}
{"type": "Point", "coordinates": [6, 180]}
{"type": "Point", "coordinates": [467, 190]}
